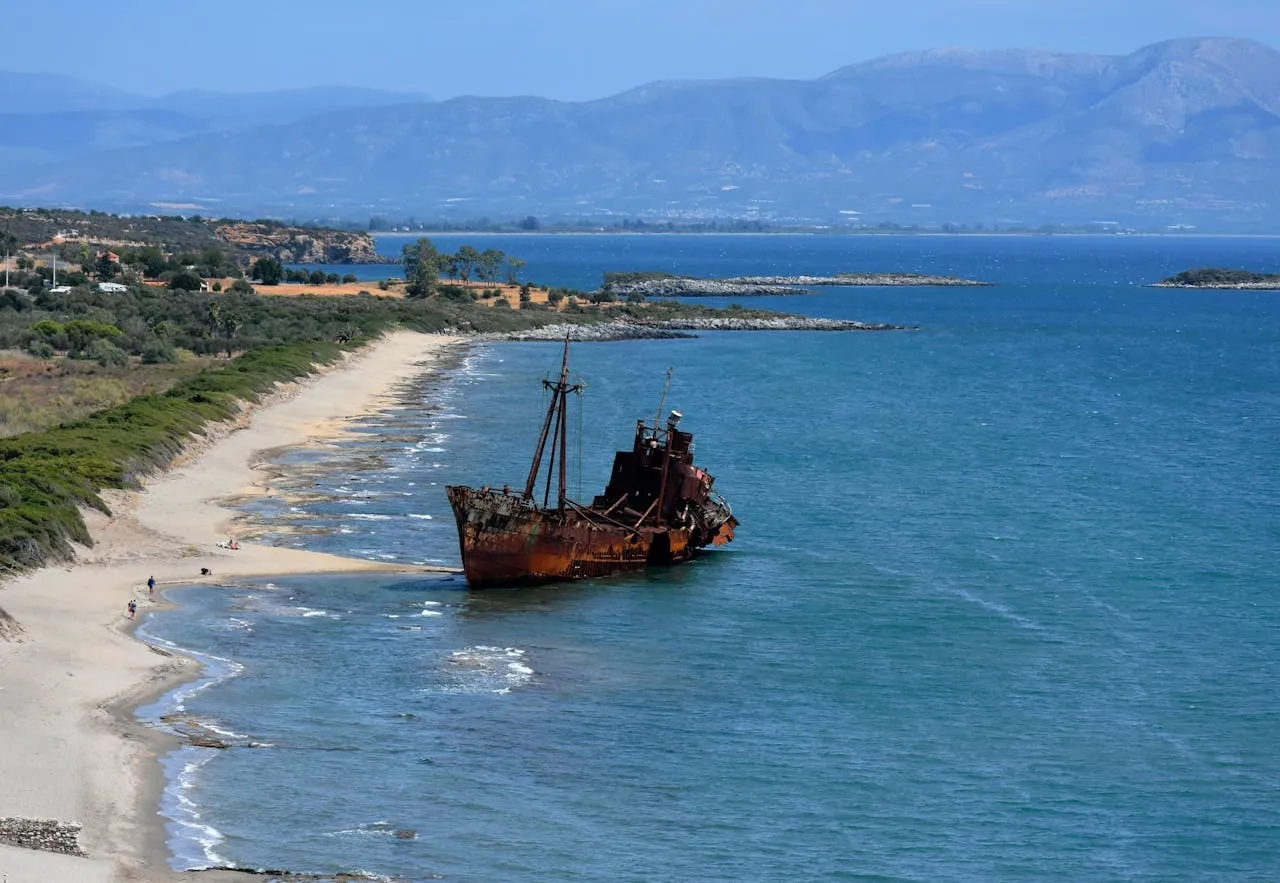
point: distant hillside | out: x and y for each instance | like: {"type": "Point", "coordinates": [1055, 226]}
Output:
{"type": "Point", "coordinates": [48, 118]}
{"type": "Point", "coordinates": [32, 228]}
{"type": "Point", "coordinates": [1183, 132]}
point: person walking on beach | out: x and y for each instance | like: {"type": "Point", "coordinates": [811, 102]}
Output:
{"type": "Point", "coordinates": [133, 608]}
{"type": "Point", "coordinates": [151, 585]}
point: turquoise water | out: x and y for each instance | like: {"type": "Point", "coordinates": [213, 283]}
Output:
{"type": "Point", "coordinates": [1002, 607]}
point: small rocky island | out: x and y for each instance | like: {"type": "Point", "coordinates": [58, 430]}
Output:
{"type": "Point", "coordinates": [659, 284]}
{"type": "Point", "coordinates": [1218, 277]}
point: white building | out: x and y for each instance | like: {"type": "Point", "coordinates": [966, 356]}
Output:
{"type": "Point", "coordinates": [112, 288]}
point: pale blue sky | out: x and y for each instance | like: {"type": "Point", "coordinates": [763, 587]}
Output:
{"type": "Point", "coordinates": [567, 49]}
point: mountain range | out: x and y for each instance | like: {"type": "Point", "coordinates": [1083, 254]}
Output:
{"type": "Point", "coordinates": [1185, 132]}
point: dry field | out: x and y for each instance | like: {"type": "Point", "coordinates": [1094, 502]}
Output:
{"type": "Point", "coordinates": [39, 393]}
{"type": "Point", "coordinates": [292, 289]}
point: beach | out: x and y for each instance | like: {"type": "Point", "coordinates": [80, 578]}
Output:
{"type": "Point", "coordinates": [71, 672]}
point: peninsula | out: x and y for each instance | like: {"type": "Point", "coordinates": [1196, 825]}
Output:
{"type": "Point", "coordinates": [1218, 277]}
{"type": "Point", "coordinates": [658, 284]}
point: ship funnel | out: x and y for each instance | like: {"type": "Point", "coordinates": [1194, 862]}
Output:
{"type": "Point", "coordinates": [674, 418]}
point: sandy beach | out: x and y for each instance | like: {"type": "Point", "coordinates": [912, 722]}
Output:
{"type": "Point", "coordinates": [70, 670]}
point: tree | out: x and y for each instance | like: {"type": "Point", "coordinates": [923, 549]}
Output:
{"type": "Point", "coordinates": [420, 267]}
{"type": "Point", "coordinates": [241, 287]}
{"type": "Point", "coordinates": [529, 223]}
{"type": "Point", "coordinates": [468, 258]}
{"type": "Point", "coordinates": [213, 261]}
{"type": "Point", "coordinates": [489, 264]}
{"type": "Point", "coordinates": [187, 281]}
{"type": "Point", "coordinates": [268, 271]}
{"type": "Point", "coordinates": [348, 278]}
{"type": "Point", "coordinates": [226, 316]}
{"type": "Point", "coordinates": [514, 266]}
{"type": "Point", "coordinates": [105, 267]}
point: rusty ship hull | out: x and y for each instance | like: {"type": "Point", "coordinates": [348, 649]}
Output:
{"type": "Point", "coordinates": [505, 542]}
{"type": "Point", "coordinates": [658, 509]}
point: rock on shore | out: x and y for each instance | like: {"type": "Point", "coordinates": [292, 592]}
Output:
{"type": "Point", "coordinates": [48, 835]}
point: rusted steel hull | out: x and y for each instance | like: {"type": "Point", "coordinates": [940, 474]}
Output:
{"type": "Point", "coordinates": [658, 508]}
{"type": "Point", "coordinates": [507, 541]}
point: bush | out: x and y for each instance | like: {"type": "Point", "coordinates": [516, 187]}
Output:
{"type": "Point", "coordinates": [349, 278]}
{"type": "Point", "coordinates": [106, 353]}
{"type": "Point", "coordinates": [241, 286]}
{"type": "Point", "coordinates": [186, 281]}
{"type": "Point", "coordinates": [41, 349]}
{"type": "Point", "coordinates": [156, 351]}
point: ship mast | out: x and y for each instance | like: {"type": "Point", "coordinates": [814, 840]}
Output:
{"type": "Point", "coordinates": [557, 410]}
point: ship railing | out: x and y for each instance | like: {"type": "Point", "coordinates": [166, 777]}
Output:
{"type": "Point", "coordinates": [598, 517]}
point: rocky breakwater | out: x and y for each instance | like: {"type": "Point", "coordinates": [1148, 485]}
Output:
{"type": "Point", "coordinates": [652, 285]}
{"type": "Point", "coordinates": [302, 245]}
{"type": "Point", "coordinates": [923, 279]}
{"type": "Point", "coordinates": [48, 835]}
{"type": "Point", "coordinates": [660, 329]}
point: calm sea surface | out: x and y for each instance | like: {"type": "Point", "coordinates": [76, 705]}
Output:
{"type": "Point", "coordinates": [1004, 605]}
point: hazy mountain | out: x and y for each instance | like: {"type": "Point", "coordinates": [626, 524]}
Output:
{"type": "Point", "coordinates": [54, 93]}
{"type": "Point", "coordinates": [1181, 132]}
{"type": "Point", "coordinates": [49, 117]}
{"type": "Point", "coordinates": [236, 108]}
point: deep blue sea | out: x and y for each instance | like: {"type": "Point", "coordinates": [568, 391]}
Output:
{"type": "Point", "coordinates": [1004, 604]}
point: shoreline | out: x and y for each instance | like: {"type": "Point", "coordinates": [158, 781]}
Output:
{"type": "Point", "coordinates": [72, 670]}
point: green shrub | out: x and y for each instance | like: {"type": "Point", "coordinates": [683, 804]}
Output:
{"type": "Point", "coordinates": [156, 351]}
{"type": "Point", "coordinates": [41, 349]}
{"type": "Point", "coordinates": [106, 353]}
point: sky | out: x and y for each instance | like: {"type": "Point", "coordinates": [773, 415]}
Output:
{"type": "Point", "coordinates": [564, 49]}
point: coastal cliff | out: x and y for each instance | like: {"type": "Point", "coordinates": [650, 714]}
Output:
{"type": "Point", "coordinates": [298, 245]}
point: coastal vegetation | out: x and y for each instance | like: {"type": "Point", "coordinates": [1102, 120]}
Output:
{"type": "Point", "coordinates": [46, 476]}
{"type": "Point", "coordinates": [1220, 277]}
